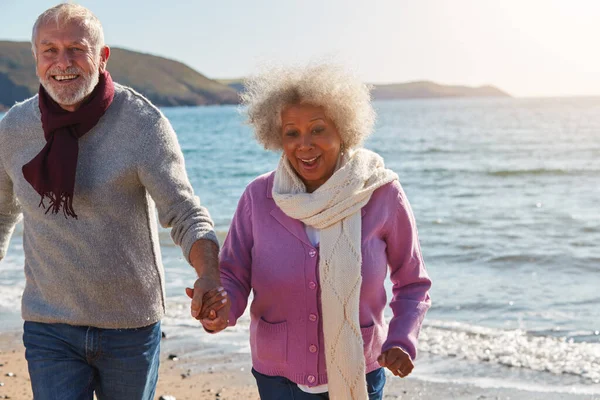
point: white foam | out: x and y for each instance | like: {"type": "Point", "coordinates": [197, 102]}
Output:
{"type": "Point", "coordinates": [490, 383]}
{"type": "Point", "coordinates": [10, 297]}
{"type": "Point", "coordinates": [513, 348]}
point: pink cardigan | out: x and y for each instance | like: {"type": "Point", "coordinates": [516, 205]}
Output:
{"type": "Point", "coordinates": [268, 252]}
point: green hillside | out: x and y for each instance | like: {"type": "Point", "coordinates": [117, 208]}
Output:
{"type": "Point", "coordinates": [17, 73]}
{"type": "Point", "coordinates": [165, 82]}
{"type": "Point", "coordinates": [171, 83]}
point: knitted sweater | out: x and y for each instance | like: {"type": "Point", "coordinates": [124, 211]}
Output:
{"type": "Point", "coordinates": [103, 269]}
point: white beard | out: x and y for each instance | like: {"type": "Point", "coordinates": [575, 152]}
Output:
{"type": "Point", "coordinates": [71, 96]}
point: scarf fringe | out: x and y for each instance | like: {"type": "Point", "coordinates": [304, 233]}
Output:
{"type": "Point", "coordinates": [63, 201]}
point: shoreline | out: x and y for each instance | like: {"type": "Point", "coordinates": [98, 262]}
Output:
{"type": "Point", "coordinates": [227, 376]}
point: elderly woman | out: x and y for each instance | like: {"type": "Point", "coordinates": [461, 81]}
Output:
{"type": "Point", "coordinates": [314, 239]}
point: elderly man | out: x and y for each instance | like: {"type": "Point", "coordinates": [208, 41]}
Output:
{"type": "Point", "coordinates": [86, 162]}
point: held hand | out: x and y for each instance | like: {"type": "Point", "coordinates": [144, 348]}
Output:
{"type": "Point", "coordinates": [212, 301]}
{"type": "Point", "coordinates": [215, 310]}
{"type": "Point", "coordinates": [201, 286]}
{"type": "Point", "coordinates": [397, 361]}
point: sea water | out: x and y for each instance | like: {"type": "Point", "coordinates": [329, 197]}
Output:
{"type": "Point", "coordinates": [506, 196]}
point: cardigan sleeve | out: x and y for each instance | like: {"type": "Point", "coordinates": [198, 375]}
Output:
{"type": "Point", "coordinates": [411, 283]}
{"type": "Point", "coordinates": [162, 172]}
{"type": "Point", "coordinates": [235, 260]}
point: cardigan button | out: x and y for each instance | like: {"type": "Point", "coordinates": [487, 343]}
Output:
{"type": "Point", "coordinates": [312, 317]}
{"type": "Point", "coordinates": [312, 348]}
{"type": "Point", "coordinates": [312, 285]}
{"type": "Point", "coordinates": [312, 253]}
{"type": "Point", "coordinates": [311, 379]}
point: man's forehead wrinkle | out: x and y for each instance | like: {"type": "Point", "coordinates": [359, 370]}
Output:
{"type": "Point", "coordinates": [80, 38]}
{"type": "Point", "coordinates": [59, 23]}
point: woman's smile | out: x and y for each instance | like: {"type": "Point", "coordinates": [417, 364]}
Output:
{"type": "Point", "coordinates": [311, 143]}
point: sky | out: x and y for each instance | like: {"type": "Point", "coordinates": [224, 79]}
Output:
{"type": "Point", "coordinates": [528, 48]}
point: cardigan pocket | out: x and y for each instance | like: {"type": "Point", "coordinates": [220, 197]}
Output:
{"type": "Point", "coordinates": [372, 342]}
{"type": "Point", "coordinates": [367, 335]}
{"type": "Point", "coordinates": [271, 341]}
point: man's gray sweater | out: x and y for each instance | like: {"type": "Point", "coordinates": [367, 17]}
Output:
{"type": "Point", "coordinates": [103, 269]}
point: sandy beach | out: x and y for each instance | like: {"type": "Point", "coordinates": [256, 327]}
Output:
{"type": "Point", "coordinates": [228, 377]}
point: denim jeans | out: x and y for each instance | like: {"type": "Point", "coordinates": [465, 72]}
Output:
{"type": "Point", "coordinates": [280, 388]}
{"type": "Point", "coordinates": [73, 362]}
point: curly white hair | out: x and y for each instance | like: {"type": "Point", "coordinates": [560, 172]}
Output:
{"type": "Point", "coordinates": [345, 99]}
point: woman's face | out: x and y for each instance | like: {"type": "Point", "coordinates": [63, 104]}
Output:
{"type": "Point", "coordinates": [311, 143]}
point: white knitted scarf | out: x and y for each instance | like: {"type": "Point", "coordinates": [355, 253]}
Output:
{"type": "Point", "coordinates": [334, 208]}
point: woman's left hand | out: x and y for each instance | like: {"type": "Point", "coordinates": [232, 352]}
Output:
{"type": "Point", "coordinates": [396, 360]}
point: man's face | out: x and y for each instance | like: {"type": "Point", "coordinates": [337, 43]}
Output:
{"type": "Point", "coordinates": [67, 63]}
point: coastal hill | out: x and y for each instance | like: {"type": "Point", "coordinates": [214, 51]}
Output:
{"type": "Point", "coordinates": [165, 82]}
{"type": "Point", "coordinates": [410, 90]}
{"type": "Point", "coordinates": [171, 83]}
{"type": "Point", "coordinates": [427, 89]}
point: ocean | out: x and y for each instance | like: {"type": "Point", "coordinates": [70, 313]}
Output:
{"type": "Point", "coordinates": [505, 194]}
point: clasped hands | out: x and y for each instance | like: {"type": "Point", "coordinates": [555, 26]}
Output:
{"type": "Point", "coordinates": [210, 304]}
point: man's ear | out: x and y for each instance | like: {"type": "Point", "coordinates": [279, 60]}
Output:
{"type": "Point", "coordinates": [104, 55]}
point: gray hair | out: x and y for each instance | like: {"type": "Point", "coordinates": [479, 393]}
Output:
{"type": "Point", "coordinates": [66, 13]}
{"type": "Point", "coordinates": [345, 99]}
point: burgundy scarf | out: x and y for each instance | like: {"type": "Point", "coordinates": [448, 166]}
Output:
{"type": "Point", "coordinates": [52, 171]}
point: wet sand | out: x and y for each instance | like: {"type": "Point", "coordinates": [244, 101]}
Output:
{"type": "Point", "coordinates": [218, 376]}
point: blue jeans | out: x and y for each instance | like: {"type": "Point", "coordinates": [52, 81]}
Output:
{"type": "Point", "coordinates": [73, 362]}
{"type": "Point", "coordinates": [280, 388]}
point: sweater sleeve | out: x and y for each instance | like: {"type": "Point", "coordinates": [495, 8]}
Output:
{"type": "Point", "coordinates": [410, 290]}
{"type": "Point", "coordinates": [162, 172]}
{"type": "Point", "coordinates": [235, 260]}
{"type": "Point", "coordinates": [10, 211]}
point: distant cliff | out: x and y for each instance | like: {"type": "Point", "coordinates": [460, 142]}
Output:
{"type": "Point", "coordinates": [170, 83]}
{"type": "Point", "coordinates": [165, 82]}
{"type": "Point", "coordinates": [411, 90]}
{"type": "Point", "coordinates": [426, 89]}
